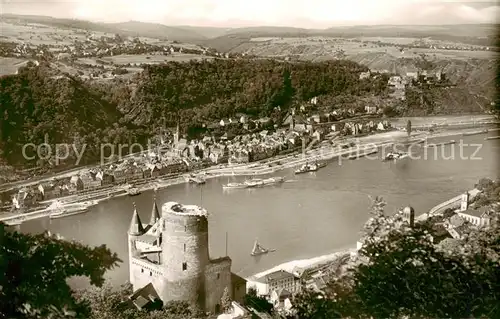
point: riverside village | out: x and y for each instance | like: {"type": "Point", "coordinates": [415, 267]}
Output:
{"type": "Point", "coordinates": [221, 172]}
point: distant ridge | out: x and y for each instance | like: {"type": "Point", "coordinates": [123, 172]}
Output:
{"type": "Point", "coordinates": [224, 39]}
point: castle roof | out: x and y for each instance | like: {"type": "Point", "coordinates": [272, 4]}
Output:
{"type": "Point", "coordinates": [136, 228]}
{"type": "Point", "coordinates": [155, 214]}
{"type": "Point", "coordinates": [142, 297]}
{"type": "Point", "coordinates": [179, 209]}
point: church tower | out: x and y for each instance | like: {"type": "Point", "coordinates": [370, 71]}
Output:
{"type": "Point", "coordinates": [135, 230]}
{"type": "Point", "coordinates": [176, 135]}
{"type": "Point", "coordinates": [409, 215]}
{"type": "Point", "coordinates": [464, 203]}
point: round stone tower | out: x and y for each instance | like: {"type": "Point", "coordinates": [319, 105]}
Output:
{"type": "Point", "coordinates": [185, 252]}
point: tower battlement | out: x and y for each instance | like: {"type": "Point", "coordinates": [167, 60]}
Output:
{"type": "Point", "coordinates": [172, 253]}
{"type": "Point", "coordinates": [179, 209]}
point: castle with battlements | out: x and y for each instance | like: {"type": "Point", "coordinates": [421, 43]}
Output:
{"type": "Point", "coordinates": [171, 253]}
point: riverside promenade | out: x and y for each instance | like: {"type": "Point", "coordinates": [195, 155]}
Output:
{"type": "Point", "coordinates": [363, 146]}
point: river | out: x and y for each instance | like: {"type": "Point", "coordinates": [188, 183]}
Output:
{"type": "Point", "coordinates": [310, 215]}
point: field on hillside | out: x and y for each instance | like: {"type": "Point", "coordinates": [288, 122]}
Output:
{"type": "Point", "coordinates": [152, 59]}
{"type": "Point", "coordinates": [37, 34]}
{"type": "Point", "coordinates": [318, 47]}
{"type": "Point", "coordinates": [10, 65]}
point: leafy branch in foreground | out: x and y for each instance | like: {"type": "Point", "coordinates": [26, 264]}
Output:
{"type": "Point", "coordinates": [402, 273]}
{"type": "Point", "coordinates": [34, 271]}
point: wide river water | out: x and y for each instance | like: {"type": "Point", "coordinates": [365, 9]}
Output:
{"type": "Point", "coordinates": [310, 215]}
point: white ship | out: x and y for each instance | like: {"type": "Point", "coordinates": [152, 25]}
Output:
{"type": "Point", "coordinates": [255, 182]}
{"type": "Point", "coordinates": [60, 211]}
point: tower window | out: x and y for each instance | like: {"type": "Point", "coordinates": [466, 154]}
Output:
{"type": "Point", "coordinates": [185, 228]}
{"type": "Point", "coordinates": [151, 273]}
{"type": "Point", "coordinates": [142, 269]}
{"type": "Point", "coordinates": [184, 247]}
{"type": "Point", "coordinates": [218, 275]}
{"type": "Point", "coordinates": [184, 266]}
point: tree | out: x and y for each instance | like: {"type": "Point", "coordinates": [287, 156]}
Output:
{"type": "Point", "coordinates": [34, 271]}
{"type": "Point", "coordinates": [226, 301]}
{"type": "Point", "coordinates": [408, 128]}
{"type": "Point", "coordinates": [256, 302]}
{"type": "Point", "coordinates": [108, 303]}
{"type": "Point", "coordinates": [403, 273]}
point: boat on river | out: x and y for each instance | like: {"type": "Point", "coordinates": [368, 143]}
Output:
{"type": "Point", "coordinates": [259, 250]}
{"type": "Point", "coordinates": [69, 210]}
{"type": "Point", "coordinates": [306, 168]}
{"type": "Point", "coordinates": [251, 183]}
{"type": "Point", "coordinates": [395, 156]}
{"type": "Point", "coordinates": [255, 182]}
{"type": "Point", "coordinates": [273, 180]}
{"type": "Point", "coordinates": [134, 191]}
{"type": "Point", "coordinates": [15, 222]}
{"type": "Point", "coordinates": [196, 179]}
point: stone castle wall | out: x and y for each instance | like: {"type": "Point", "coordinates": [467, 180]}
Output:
{"type": "Point", "coordinates": [217, 277]}
{"type": "Point", "coordinates": [143, 273]}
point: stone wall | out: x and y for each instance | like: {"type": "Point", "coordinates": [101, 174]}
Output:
{"type": "Point", "coordinates": [143, 272]}
{"type": "Point", "coordinates": [217, 278]}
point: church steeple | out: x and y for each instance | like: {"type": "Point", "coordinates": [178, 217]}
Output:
{"type": "Point", "coordinates": [136, 228]}
{"type": "Point", "coordinates": [155, 215]}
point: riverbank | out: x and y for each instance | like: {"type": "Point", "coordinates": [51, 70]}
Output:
{"type": "Point", "coordinates": [363, 144]}
{"type": "Point", "coordinates": [303, 264]}
{"type": "Point", "coordinates": [292, 265]}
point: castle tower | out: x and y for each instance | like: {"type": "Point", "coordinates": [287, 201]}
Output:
{"type": "Point", "coordinates": [464, 203]}
{"type": "Point", "coordinates": [184, 253]}
{"type": "Point", "coordinates": [155, 214]}
{"type": "Point", "coordinates": [409, 215]}
{"type": "Point", "coordinates": [136, 229]}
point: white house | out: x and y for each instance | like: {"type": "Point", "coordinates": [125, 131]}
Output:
{"type": "Point", "coordinates": [371, 109]}
{"type": "Point", "coordinates": [477, 217]}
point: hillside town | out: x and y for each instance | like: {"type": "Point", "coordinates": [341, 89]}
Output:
{"type": "Point", "coordinates": [171, 154]}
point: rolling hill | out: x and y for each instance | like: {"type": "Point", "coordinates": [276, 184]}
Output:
{"type": "Point", "coordinates": [225, 39]}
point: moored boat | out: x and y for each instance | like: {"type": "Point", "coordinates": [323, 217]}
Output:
{"type": "Point", "coordinates": [273, 180]}
{"type": "Point", "coordinates": [197, 180]}
{"type": "Point", "coordinates": [15, 222]}
{"type": "Point", "coordinates": [70, 210]}
{"type": "Point", "coordinates": [254, 182]}
{"type": "Point", "coordinates": [306, 168]}
{"type": "Point", "coordinates": [134, 191]}
{"type": "Point", "coordinates": [234, 185]}
{"type": "Point", "coordinates": [66, 213]}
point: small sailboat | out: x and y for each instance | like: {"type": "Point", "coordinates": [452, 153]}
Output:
{"type": "Point", "coordinates": [259, 250]}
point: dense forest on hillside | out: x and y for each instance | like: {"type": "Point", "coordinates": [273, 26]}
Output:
{"type": "Point", "coordinates": [35, 105]}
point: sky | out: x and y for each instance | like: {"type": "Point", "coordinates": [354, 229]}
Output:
{"type": "Point", "coordinates": [238, 13]}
